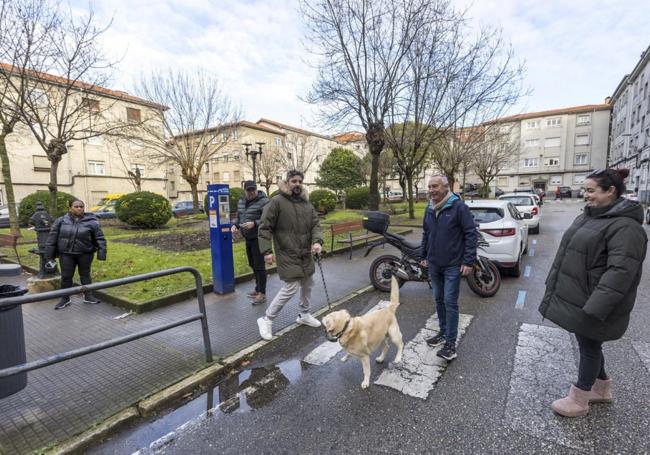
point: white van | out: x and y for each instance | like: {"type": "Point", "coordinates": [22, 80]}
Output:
{"type": "Point", "coordinates": [395, 195]}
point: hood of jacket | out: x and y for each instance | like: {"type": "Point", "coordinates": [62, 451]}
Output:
{"type": "Point", "coordinates": [284, 190]}
{"type": "Point", "coordinates": [620, 208]}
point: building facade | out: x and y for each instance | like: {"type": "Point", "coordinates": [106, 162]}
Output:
{"type": "Point", "coordinates": [630, 129]}
{"type": "Point", "coordinates": [555, 148]}
{"type": "Point", "coordinates": [94, 167]}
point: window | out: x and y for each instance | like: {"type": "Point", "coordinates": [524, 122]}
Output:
{"type": "Point", "coordinates": [556, 180]}
{"type": "Point", "coordinates": [95, 140]}
{"type": "Point", "coordinates": [96, 168]}
{"type": "Point", "coordinates": [207, 168]}
{"type": "Point", "coordinates": [532, 124]}
{"type": "Point", "coordinates": [91, 105]}
{"type": "Point", "coordinates": [582, 139]}
{"type": "Point", "coordinates": [581, 158]}
{"type": "Point", "coordinates": [38, 98]}
{"type": "Point", "coordinates": [531, 143]}
{"type": "Point", "coordinates": [237, 176]}
{"type": "Point", "coordinates": [289, 155]}
{"type": "Point", "coordinates": [552, 162]}
{"type": "Point", "coordinates": [133, 115]}
{"type": "Point", "coordinates": [551, 142]}
{"type": "Point", "coordinates": [554, 122]}
{"type": "Point", "coordinates": [225, 158]}
{"type": "Point", "coordinates": [235, 157]}
{"type": "Point", "coordinates": [531, 162]}
{"type": "Point", "coordinates": [41, 163]}
{"type": "Point", "coordinates": [278, 141]}
{"type": "Point", "coordinates": [139, 167]}
{"type": "Point", "coordinates": [214, 139]}
{"type": "Point", "coordinates": [172, 185]}
{"type": "Point", "coordinates": [582, 120]}
{"type": "Point", "coordinates": [502, 181]}
{"type": "Point", "coordinates": [215, 177]}
{"type": "Point", "coordinates": [234, 135]}
{"type": "Point", "coordinates": [226, 176]}
{"type": "Point", "coordinates": [579, 179]}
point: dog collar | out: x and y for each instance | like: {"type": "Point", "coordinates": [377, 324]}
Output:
{"type": "Point", "coordinates": [345, 327]}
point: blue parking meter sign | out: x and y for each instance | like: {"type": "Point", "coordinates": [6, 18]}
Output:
{"type": "Point", "coordinates": [223, 270]}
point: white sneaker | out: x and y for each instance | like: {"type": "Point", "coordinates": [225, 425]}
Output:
{"type": "Point", "coordinates": [308, 319]}
{"type": "Point", "coordinates": [266, 328]}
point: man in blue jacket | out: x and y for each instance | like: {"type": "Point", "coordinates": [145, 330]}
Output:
{"type": "Point", "coordinates": [449, 250]}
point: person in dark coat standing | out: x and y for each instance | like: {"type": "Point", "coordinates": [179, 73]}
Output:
{"type": "Point", "coordinates": [74, 238]}
{"type": "Point", "coordinates": [290, 226]}
{"type": "Point", "coordinates": [591, 287]}
{"type": "Point", "coordinates": [249, 213]}
{"type": "Point", "coordinates": [449, 250]}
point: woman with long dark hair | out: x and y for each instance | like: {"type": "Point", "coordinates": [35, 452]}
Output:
{"type": "Point", "coordinates": [74, 238]}
{"type": "Point", "coordinates": [591, 288]}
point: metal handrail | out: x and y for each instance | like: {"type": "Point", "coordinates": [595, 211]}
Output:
{"type": "Point", "coordinates": [30, 298]}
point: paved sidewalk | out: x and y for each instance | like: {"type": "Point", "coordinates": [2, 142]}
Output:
{"type": "Point", "coordinates": [67, 398]}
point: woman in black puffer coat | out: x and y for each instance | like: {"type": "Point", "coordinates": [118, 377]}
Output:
{"type": "Point", "coordinates": [591, 288]}
{"type": "Point", "coordinates": [74, 238]}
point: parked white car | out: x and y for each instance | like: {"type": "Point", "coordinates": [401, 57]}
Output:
{"type": "Point", "coordinates": [526, 203]}
{"type": "Point", "coordinates": [631, 195]}
{"type": "Point", "coordinates": [504, 228]}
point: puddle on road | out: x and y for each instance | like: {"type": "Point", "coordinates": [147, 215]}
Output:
{"type": "Point", "coordinates": [239, 392]}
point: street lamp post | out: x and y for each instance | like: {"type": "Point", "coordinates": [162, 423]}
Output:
{"type": "Point", "coordinates": [253, 155]}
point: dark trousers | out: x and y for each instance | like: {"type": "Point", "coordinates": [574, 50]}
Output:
{"type": "Point", "coordinates": [68, 264]}
{"type": "Point", "coordinates": [592, 362]}
{"type": "Point", "coordinates": [256, 262]}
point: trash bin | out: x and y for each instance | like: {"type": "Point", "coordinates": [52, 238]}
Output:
{"type": "Point", "coordinates": [12, 341]}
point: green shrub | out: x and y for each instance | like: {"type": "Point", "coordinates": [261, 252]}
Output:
{"type": "Point", "coordinates": [143, 209]}
{"type": "Point", "coordinates": [28, 205]}
{"type": "Point", "coordinates": [235, 195]}
{"type": "Point", "coordinates": [357, 198]}
{"type": "Point", "coordinates": [323, 200]}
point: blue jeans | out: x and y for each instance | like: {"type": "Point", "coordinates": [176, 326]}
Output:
{"type": "Point", "coordinates": [446, 287]}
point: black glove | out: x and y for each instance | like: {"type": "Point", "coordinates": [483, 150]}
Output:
{"type": "Point", "coordinates": [101, 255]}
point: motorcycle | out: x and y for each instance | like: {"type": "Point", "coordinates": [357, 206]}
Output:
{"type": "Point", "coordinates": [484, 279]}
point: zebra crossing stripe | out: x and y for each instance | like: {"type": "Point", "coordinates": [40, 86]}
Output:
{"type": "Point", "coordinates": [543, 371]}
{"type": "Point", "coordinates": [527, 271]}
{"type": "Point", "coordinates": [420, 368]}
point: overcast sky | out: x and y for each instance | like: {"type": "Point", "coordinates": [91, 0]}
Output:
{"type": "Point", "coordinates": [576, 52]}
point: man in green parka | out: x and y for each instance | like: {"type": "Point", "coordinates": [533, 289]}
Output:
{"type": "Point", "coordinates": [290, 223]}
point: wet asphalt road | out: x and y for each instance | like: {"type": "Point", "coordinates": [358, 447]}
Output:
{"type": "Point", "coordinates": [472, 409]}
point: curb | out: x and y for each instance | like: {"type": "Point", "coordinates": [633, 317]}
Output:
{"type": "Point", "coordinates": [166, 396]}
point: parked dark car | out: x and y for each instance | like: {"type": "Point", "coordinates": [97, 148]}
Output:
{"type": "Point", "coordinates": [184, 208]}
{"type": "Point", "coordinates": [565, 191]}
{"type": "Point", "coordinates": [106, 212]}
{"type": "Point", "coordinates": [4, 215]}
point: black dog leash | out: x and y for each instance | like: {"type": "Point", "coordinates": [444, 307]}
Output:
{"type": "Point", "coordinates": [317, 257]}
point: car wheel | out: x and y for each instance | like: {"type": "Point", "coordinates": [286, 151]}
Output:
{"type": "Point", "coordinates": [516, 270]}
{"type": "Point", "coordinates": [534, 230]}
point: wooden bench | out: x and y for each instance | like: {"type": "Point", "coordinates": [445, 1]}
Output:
{"type": "Point", "coordinates": [349, 228]}
{"type": "Point", "coordinates": [10, 240]}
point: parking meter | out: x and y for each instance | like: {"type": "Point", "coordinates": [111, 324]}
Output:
{"type": "Point", "coordinates": [223, 270]}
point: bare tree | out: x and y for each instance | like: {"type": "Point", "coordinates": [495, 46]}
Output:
{"type": "Point", "coordinates": [498, 146]}
{"type": "Point", "coordinates": [269, 166]}
{"type": "Point", "coordinates": [26, 28]}
{"type": "Point", "coordinates": [361, 45]}
{"type": "Point", "coordinates": [452, 82]}
{"type": "Point", "coordinates": [199, 121]}
{"type": "Point", "coordinates": [133, 172]}
{"type": "Point", "coordinates": [300, 152]}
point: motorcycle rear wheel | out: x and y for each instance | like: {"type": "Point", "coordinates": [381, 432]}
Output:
{"type": "Point", "coordinates": [485, 286]}
{"type": "Point", "coordinates": [381, 272]}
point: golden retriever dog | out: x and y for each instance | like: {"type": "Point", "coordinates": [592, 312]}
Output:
{"type": "Point", "coordinates": [361, 336]}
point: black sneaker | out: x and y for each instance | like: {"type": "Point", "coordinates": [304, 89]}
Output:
{"type": "Point", "coordinates": [448, 352]}
{"type": "Point", "coordinates": [89, 298]}
{"type": "Point", "coordinates": [436, 340]}
{"type": "Point", "coordinates": [64, 302]}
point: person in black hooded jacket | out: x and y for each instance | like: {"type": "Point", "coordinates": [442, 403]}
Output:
{"type": "Point", "coordinates": [591, 287]}
{"type": "Point", "coordinates": [74, 238]}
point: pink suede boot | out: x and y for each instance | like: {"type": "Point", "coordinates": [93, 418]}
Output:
{"type": "Point", "coordinates": [573, 405]}
{"type": "Point", "coordinates": [601, 392]}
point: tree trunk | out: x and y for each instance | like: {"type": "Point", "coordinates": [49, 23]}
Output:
{"type": "Point", "coordinates": [52, 186]}
{"type": "Point", "coordinates": [195, 195]}
{"type": "Point", "coordinates": [375, 139]}
{"type": "Point", "coordinates": [9, 186]}
{"type": "Point", "coordinates": [409, 189]}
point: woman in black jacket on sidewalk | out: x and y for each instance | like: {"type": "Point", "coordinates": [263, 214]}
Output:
{"type": "Point", "coordinates": [591, 288]}
{"type": "Point", "coordinates": [74, 238]}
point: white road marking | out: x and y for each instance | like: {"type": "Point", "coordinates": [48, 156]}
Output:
{"type": "Point", "coordinates": [527, 271]}
{"type": "Point", "coordinates": [543, 371]}
{"type": "Point", "coordinates": [420, 368]}
{"type": "Point", "coordinates": [643, 349]}
{"type": "Point", "coordinates": [521, 300]}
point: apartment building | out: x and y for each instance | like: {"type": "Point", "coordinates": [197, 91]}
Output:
{"type": "Point", "coordinates": [630, 128]}
{"type": "Point", "coordinates": [91, 168]}
{"type": "Point", "coordinates": [353, 140]}
{"type": "Point", "coordinates": [558, 147]}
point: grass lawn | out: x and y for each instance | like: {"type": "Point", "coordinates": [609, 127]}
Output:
{"type": "Point", "coordinates": [125, 259]}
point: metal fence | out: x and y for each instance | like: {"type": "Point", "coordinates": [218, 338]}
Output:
{"type": "Point", "coordinates": [57, 358]}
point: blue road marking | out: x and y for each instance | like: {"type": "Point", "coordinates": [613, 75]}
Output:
{"type": "Point", "coordinates": [521, 299]}
{"type": "Point", "coordinates": [531, 252]}
{"type": "Point", "coordinates": [527, 271]}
